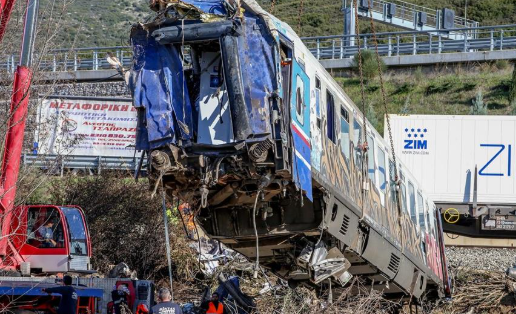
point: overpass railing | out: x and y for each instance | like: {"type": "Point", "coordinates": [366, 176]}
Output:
{"type": "Point", "coordinates": [408, 15]}
{"type": "Point", "coordinates": [489, 38]}
{"type": "Point", "coordinates": [72, 60]}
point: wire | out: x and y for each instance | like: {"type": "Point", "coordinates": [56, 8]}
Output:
{"type": "Point", "coordinates": [257, 264]}
{"type": "Point", "coordinates": [167, 239]}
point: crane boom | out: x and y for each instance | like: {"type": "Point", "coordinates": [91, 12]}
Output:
{"type": "Point", "coordinates": [16, 125]}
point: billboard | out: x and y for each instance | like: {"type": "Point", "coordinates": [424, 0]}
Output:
{"type": "Point", "coordinates": [86, 126]}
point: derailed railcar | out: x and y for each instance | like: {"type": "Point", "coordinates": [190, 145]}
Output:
{"type": "Point", "coordinates": [242, 122]}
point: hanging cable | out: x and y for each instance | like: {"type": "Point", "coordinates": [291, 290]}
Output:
{"type": "Point", "coordinates": [167, 239]}
{"type": "Point", "coordinates": [363, 147]}
{"type": "Point", "coordinates": [384, 97]}
{"type": "Point", "coordinates": [257, 264]}
{"type": "Point", "coordinates": [300, 16]}
{"type": "Point", "coordinates": [273, 3]}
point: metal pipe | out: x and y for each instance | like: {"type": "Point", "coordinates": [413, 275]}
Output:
{"type": "Point", "coordinates": [29, 33]}
{"type": "Point", "coordinates": [167, 244]}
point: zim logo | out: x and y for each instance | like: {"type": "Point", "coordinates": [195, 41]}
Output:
{"type": "Point", "coordinates": [416, 138]}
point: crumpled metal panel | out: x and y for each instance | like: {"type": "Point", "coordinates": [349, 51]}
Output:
{"type": "Point", "coordinates": [258, 72]}
{"type": "Point", "coordinates": [208, 6]}
{"type": "Point", "coordinates": [160, 91]}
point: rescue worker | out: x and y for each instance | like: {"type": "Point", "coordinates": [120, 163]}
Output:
{"type": "Point", "coordinates": [165, 305]}
{"type": "Point", "coordinates": [45, 234]}
{"type": "Point", "coordinates": [68, 302]}
{"type": "Point", "coordinates": [119, 297]}
{"type": "Point", "coordinates": [214, 306]}
{"type": "Point", "coordinates": [142, 309]}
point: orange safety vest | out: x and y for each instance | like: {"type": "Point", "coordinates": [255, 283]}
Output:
{"type": "Point", "coordinates": [212, 310]}
{"type": "Point", "coordinates": [142, 309]}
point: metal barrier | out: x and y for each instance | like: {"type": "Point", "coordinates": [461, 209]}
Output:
{"type": "Point", "coordinates": [407, 15]}
{"type": "Point", "coordinates": [57, 164]}
{"type": "Point", "coordinates": [489, 38]}
{"type": "Point", "coordinates": [75, 59]}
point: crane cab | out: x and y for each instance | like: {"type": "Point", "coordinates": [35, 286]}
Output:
{"type": "Point", "coordinates": [50, 239]}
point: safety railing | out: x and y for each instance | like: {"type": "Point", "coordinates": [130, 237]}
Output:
{"type": "Point", "coordinates": [488, 38]}
{"type": "Point", "coordinates": [72, 60]}
{"type": "Point", "coordinates": [408, 15]}
{"type": "Point", "coordinates": [58, 164]}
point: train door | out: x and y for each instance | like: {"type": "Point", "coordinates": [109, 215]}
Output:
{"type": "Point", "coordinates": [300, 116]}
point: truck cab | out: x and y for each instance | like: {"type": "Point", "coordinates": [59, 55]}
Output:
{"type": "Point", "coordinates": [50, 239]}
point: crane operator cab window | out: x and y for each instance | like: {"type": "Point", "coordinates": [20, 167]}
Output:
{"type": "Point", "coordinates": [44, 228]}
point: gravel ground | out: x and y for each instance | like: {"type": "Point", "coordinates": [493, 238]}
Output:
{"type": "Point", "coordinates": [481, 258]}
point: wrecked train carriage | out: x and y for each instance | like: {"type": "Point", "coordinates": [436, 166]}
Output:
{"type": "Point", "coordinates": [242, 122]}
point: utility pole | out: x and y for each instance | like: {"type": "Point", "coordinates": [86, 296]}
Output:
{"type": "Point", "coordinates": [465, 13]}
{"type": "Point", "coordinates": [349, 21]}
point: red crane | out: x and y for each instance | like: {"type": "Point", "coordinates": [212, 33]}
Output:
{"type": "Point", "coordinates": [40, 238]}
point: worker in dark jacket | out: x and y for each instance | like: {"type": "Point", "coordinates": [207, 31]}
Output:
{"type": "Point", "coordinates": [68, 302]}
{"type": "Point", "coordinates": [165, 305]}
{"type": "Point", "coordinates": [214, 306]}
{"type": "Point", "coordinates": [119, 295]}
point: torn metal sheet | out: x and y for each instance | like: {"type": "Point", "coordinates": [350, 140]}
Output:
{"type": "Point", "coordinates": [206, 11]}
{"type": "Point", "coordinates": [160, 93]}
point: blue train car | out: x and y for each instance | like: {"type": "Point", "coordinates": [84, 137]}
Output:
{"type": "Point", "coordinates": [242, 122]}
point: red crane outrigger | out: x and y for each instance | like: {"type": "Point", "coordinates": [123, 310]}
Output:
{"type": "Point", "coordinates": [20, 243]}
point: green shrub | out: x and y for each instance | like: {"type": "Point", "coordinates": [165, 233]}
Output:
{"type": "Point", "coordinates": [501, 64]}
{"type": "Point", "coordinates": [479, 108]}
{"type": "Point", "coordinates": [369, 64]}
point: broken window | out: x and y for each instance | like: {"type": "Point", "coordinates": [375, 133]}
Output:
{"type": "Point", "coordinates": [330, 116]}
{"type": "Point", "coordinates": [412, 195]}
{"type": "Point", "coordinates": [344, 133]}
{"type": "Point", "coordinates": [300, 103]}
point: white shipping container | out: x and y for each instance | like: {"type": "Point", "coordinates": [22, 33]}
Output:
{"type": "Point", "coordinates": [442, 152]}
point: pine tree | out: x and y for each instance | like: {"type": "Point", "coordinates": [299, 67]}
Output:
{"type": "Point", "coordinates": [406, 106]}
{"type": "Point", "coordinates": [479, 108]}
{"type": "Point", "coordinates": [371, 116]}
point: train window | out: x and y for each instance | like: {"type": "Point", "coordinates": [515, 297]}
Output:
{"type": "Point", "coordinates": [300, 100]}
{"type": "Point", "coordinates": [344, 132]}
{"type": "Point", "coordinates": [403, 197]}
{"type": "Point", "coordinates": [370, 160]}
{"type": "Point", "coordinates": [382, 174]}
{"type": "Point", "coordinates": [412, 195]}
{"type": "Point", "coordinates": [431, 219]}
{"type": "Point", "coordinates": [403, 193]}
{"type": "Point", "coordinates": [330, 116]}
{"type": "Point", "coordinates": [427, 210]}
{"type": "Point", "coordinates": [318, 101]}
{"type": "Point", "coordinates": [393, 182]}
{"type": "Point", "coordinates": [421, 210]}
{"type": "Point", "coordinates": [435, 223]}
{"type": "Point", "coordinates": [357, 141]}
